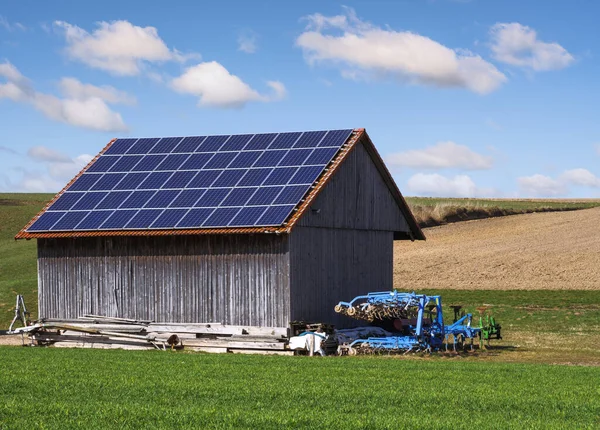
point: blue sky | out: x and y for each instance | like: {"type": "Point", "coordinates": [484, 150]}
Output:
{"type": "Point", "coordinates": [461, 98]}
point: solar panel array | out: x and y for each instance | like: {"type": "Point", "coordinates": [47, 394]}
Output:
{"type": "Point", "coordinates": [194, 182]}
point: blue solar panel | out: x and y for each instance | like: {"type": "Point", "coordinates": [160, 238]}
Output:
{"type": "Point", "coordinates": [187, 198]}
{"type": "Point", "coordinates": [113, 200]}
{"type": "Point", "coordinates": [236, 143]}
{"type": "Point", "coordinates": [188, 144]}
{"type": "Point", "coordinates": [131, 181]}
{"type": "Point", "coordinates": [220, 160]}
{"type": "Point", "coordinates": [137, 199]}
{"type": "Point", "coordinates": [310, 139]}
{"type": "Point", "coordinates": [69, 221]}
{"type": "Point", "coordinates": [172, 162]}
{"type": "Point", "coordinates": [125, 163]}
{"type": "Point", "coordinates": [295, 157]}
{"type": "Point", "coordinates": [285, 140]}
{"type": "Point", "coordinates": [179, 179]}
{"type": "Point", "coordinates": [196, 161]}
{"type": "Point", "coordinates": [89, 201]}
{"type": "Point", "coordinates": [270, 158]}
{"type": "Point", "coordinates": [238, 196]}
{"type": "Point", "coordinates": [102, 164]}
{"type": "Point", "coordinates": [335, 138]}
{"type": "Point", "coordinates": [254, 177]}
{"type": "Point", "coordinates": [161, 199]}
{"type": "Point", "coordinates": [321, 156]}
{"type": "Point", "coordinates": [46, 221]}
{"type": "Point", "coordinates": [144, 218]}
{"type": "Point", "coordinates": [65, 201]}
{"type": "Point", "coordinates": [143, 146]}
{"type": "Point", "coordinates": [108, 181]}
{"type": "Point", "coordinates": [212, 144]}
{"type": "Point", "coordinates": [291, 195]}
{"type": "Point", "coordinates": [166, 145]}
{"type": "Point", "coordinates": [306, 175]}
{"type": "Point", "coordinates": [120, 146]}
{"type": "Point", "coordinates": [148, 163]}
{"type": "Point", "coordinates": [221, 217]}
{"type": "Point", "coordinates": [229, 178]}
{"type": "Point", "coordinates": [264, 196]}
{"type": "Point", "coordinates": [280, 176]}
{"type": "Point", "coordinates": [93, 220]}
{"type": "Point", "coordinates": [204, 179]}
{"type": "Point", "coordinates": [212, 198]}
{"type": "Point", "coordinates": [169, 218]}
{"type": "Point", "coordinates": [245, 159]}
{"type": "Point", "coordinates": [84, 182]}
{"type": "Point", "coordinates": [195, 182]}
{"type": "Point", "coordinates": [275, 215]}
{"type": "Point", "coordinates": [118, 219]}
{"type": "Point", "coordinates": [155, 180]}
{"type": "Point", "coordinates": [260, 141]}
{"type": "Point", "coordinates": [248, 216]}
{"type": "Point", "coordinates": [195, 218]}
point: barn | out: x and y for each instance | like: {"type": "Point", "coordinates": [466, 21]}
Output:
{"type": "Point", "coordinates": [257, 229]}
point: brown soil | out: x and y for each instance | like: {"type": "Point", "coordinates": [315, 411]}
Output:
{"type": "Point", "coordinates": [552, 250]}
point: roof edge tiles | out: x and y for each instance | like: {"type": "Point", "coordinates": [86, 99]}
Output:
{"type": "Point", "coordinates": [357, 135]}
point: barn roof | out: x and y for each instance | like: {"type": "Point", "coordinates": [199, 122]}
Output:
{"type": "Point", "coordinates": [260, 183]}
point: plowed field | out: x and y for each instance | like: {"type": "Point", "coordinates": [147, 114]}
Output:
{"type": "Point", "coordinates": [538, 251]}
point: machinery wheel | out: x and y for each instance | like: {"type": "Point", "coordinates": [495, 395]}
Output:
{"type": "Point", "coordinates": [338, 309]}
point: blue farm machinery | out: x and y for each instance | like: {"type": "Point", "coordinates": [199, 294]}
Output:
{"type": "Point", "coordinates": [414, 322]}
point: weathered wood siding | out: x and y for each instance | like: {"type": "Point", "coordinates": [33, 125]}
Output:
{"type": "Point", "coordinates": [356, 197]}
{"type": "Point", "coordinates": [330, 265]}
{"type": "Point", "coordinates": [233, 279]}
{"type": "Point", "coordinates": [342, 246]}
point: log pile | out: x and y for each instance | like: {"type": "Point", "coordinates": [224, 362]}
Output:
{"type": "Point", "coordinates": [93, 331]}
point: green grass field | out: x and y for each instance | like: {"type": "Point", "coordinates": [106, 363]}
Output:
{"type": "Point", "coordinates": [53, 388]}
{"type": "Point", "coordinates": [513, 385]}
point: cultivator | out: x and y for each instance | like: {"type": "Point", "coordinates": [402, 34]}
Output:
{"type": "Point", "coordinates": [418, 323]}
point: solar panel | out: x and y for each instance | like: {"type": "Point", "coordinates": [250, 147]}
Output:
{"type": "Point", "coordinates": [69, 221]}
{"type": "Point", "coordinates": [144, 218]}
{"type": "Point", "coordinates": [165, 145]}
{"type": "Point", "coordinates": [89, 201]}
{"type": "Point", "coordinates": [194, 182]}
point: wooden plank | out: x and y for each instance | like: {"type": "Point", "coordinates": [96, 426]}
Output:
{"type": "Point", "coordinates": [98, 345]}
{"type": "Point", "coordinates": [233, 344]}
{"type": "Point", "coordinates": [213, 350]}
{"type": "Point", "coordinates": [217, 329]}
{"type": "Point", "coordinates": [260, 352]}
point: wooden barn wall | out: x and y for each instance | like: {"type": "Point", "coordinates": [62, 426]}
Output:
{"type": "Point", "coordinates": [232, 279]}
{"type": "Point", "coordinates": [330, 265]}
{"type": "Point", "coordinates": [356, 197]}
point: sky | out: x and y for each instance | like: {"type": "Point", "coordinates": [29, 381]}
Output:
{"type": "Point", "coordinates": [462, 98]}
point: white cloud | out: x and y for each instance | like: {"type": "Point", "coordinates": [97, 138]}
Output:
{"type": "Point", "coordinates": [215, 86]}
{"type": "Point", "coordinates": [118, 47]}
{"type": "Point", "coordinates": [545, 186]}
{"type": "Point", "coordinates": [57, 167]}
{"type": "Point", "coordinates": [443, 155]}
{"type": "Point", "coordinates": [72, 88]}
{"type": "Point", "coordinates": [518, 45]}
{"type": "Point", "coordinates": [363, 50]}
{"type": "Point", "coordinates": [580, 177]}
{"type": "Point", "coordinates": [541, 186]}
{"type": "Point", "coordinates": [41, 153]}
{"type": "Point", "coordinates": [442, 186]}
{"type": "Point", "coordinates": [597, 146]}
{"type": "Point", "coordinates": [247, 42]}
{"type": "Point", "coordinates": [84, 105]}
{"type": "Point", "coordinates": [4, 23]}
